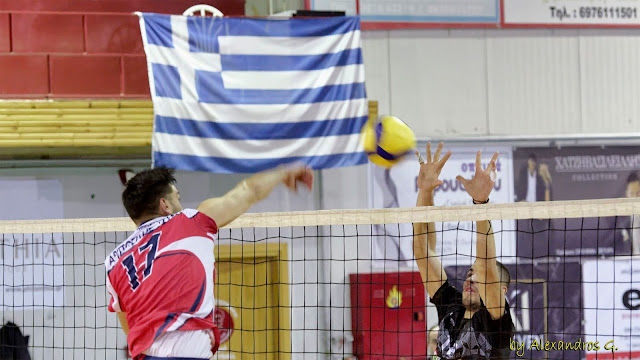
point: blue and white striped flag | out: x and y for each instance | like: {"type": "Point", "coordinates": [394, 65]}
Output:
{"type": "Point", "coordinates": [237, 95]}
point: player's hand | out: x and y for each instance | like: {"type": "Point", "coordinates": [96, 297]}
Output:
{"type": "Point", "coordinates": [481, 184]}
{"type": "Point", "coordinates": [430, 170]}
{"type": "Point", "coordinates": [301, 174]}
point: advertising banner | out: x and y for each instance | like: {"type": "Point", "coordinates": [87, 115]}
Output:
{"type": "Point", "coordinates": [577, 173]}
{"type": "Point", "coordinates": [31, 264]}
{"type": "Point", "coordinates": [612, 308]}
{"type": "Point", "coordinates": [32, 270]}
{"type": "Point", "coordinates": [392, 14]}
{"type": "Point", "coordinates": [571, 12]}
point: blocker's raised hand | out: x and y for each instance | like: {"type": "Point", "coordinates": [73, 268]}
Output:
{"type": "Point", "coordinates": [481, 184]}
{"type": "Point", "coordinates": [430, 170]}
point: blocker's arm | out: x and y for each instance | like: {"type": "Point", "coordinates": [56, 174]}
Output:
{"type": "Point", "coordinates": [424, 249]}
{"type": "Point", "coordinates": [489, 284]}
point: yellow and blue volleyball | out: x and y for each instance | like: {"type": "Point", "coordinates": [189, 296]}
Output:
{"type": "Point", "coordinates": [387, 140]}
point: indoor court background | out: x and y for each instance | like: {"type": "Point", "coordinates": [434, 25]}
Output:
{"type": "Point", "coordinates": [81, 66]}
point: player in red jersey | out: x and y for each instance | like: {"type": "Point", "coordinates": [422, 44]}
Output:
{"type": "Point", "coordinates": [161, 278]}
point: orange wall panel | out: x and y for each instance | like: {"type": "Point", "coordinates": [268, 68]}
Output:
{"type": "Point", "coordinates": [47, 33]}
{"type": "Point", "coordinates": [113, 34]}
{"type": "Point", "coordinates": [80, 48]}
{"type": "Point", "coordinates": [229, 7]}
{"type": "Point", "coordinates": [5, 33]}
{"type": "Point", "coordinates": [136, 76]}
{"type": "Point", "coordinates": [24, 75]}
{"type": "Point", "coordinates": [85, 75]}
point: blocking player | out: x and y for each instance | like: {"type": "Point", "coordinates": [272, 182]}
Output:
{"type": "Point", "coordinates": [161, 278]}
{"type": "Point", "coordinates": [475, 323]}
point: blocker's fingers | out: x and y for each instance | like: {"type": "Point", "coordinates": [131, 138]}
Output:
{"type": "Point", "coordinates": [478, 161]}
{"type": "Point", "coordinates": [428, 152]}
{"type": "Point", "coordinates": [492, 164]}
{"type": "Point", "coordinates": [462, 180]}
{"type": "Point", "coordinates": [444, 159]}
{"type": "Point", "coordinates": [420, 159]}
{"type": "Point", "coordinates": [438, 151]}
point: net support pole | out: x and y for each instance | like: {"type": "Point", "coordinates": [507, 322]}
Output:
{"type": "Point", "coordinates": [323, 277]}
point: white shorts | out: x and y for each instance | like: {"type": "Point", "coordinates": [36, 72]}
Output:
{"type": "Point", "coordinates": [189, 344]}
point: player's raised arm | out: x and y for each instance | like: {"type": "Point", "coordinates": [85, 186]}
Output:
{"type": "Point", "coordinates": [424, 235]}
{"type": "Point", "coordinates": [486, 268]}
{"type": "Point", "coordinates": [227, 208]}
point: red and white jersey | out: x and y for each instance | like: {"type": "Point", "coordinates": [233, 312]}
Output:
{"type": "Point", "coordinates": [162, 276]}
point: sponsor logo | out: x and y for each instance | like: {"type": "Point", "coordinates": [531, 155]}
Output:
{"type": "Point", "coordinates": [394, 300]}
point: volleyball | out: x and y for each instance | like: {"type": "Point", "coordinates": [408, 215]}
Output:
{"type": "Point", "coordinates": [387, 140]}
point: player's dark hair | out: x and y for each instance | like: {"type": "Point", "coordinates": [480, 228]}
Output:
{"type": "Point", "coordinates": [533, 157]}
{"type": "Point", "coordinates": [143, 192]}
{"type": "Point", "coordinates": [505, 276]}
{"type": "Point", "coordinates": [633, 177]}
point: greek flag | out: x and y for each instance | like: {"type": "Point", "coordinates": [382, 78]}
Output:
{"type": "Point", "coordinates": [238, 95]}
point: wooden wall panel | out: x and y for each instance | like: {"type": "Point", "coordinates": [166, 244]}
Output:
{"type": "Point", "coordinates": [43, 127]}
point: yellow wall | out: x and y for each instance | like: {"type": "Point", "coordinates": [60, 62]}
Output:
{"type": "Point", "coordinates": [75, 127]}
{"type": "Point", "coordinates": [80, 128]}
{"type": "Point", "coordinates": [252, 286]}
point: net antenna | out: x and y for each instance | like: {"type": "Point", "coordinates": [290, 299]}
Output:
{"type": "Point", "coordinates": [203, 9]}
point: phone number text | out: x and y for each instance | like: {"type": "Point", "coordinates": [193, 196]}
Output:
{"type": "Point", "coordinates": [593, 12]}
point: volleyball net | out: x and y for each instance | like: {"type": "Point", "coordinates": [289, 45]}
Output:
{"type": "Point", "coordinates": [337, 284]}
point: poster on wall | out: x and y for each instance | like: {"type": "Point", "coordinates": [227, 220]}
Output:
{"type": "Point", "coordinates": [396, 187]}
{"type": "Point", "coordinates": [545, 301]}
{"type": "Point", "coordinates": [571, 12]}
{"type": "Point", "coordinates": [31, 264]}
{"type": "Point", "coordinates": [612, 308]}
{"type": "Point", "coordinates": [390, 14]}
{"type": "Point", "coordinates": [577, 173]}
